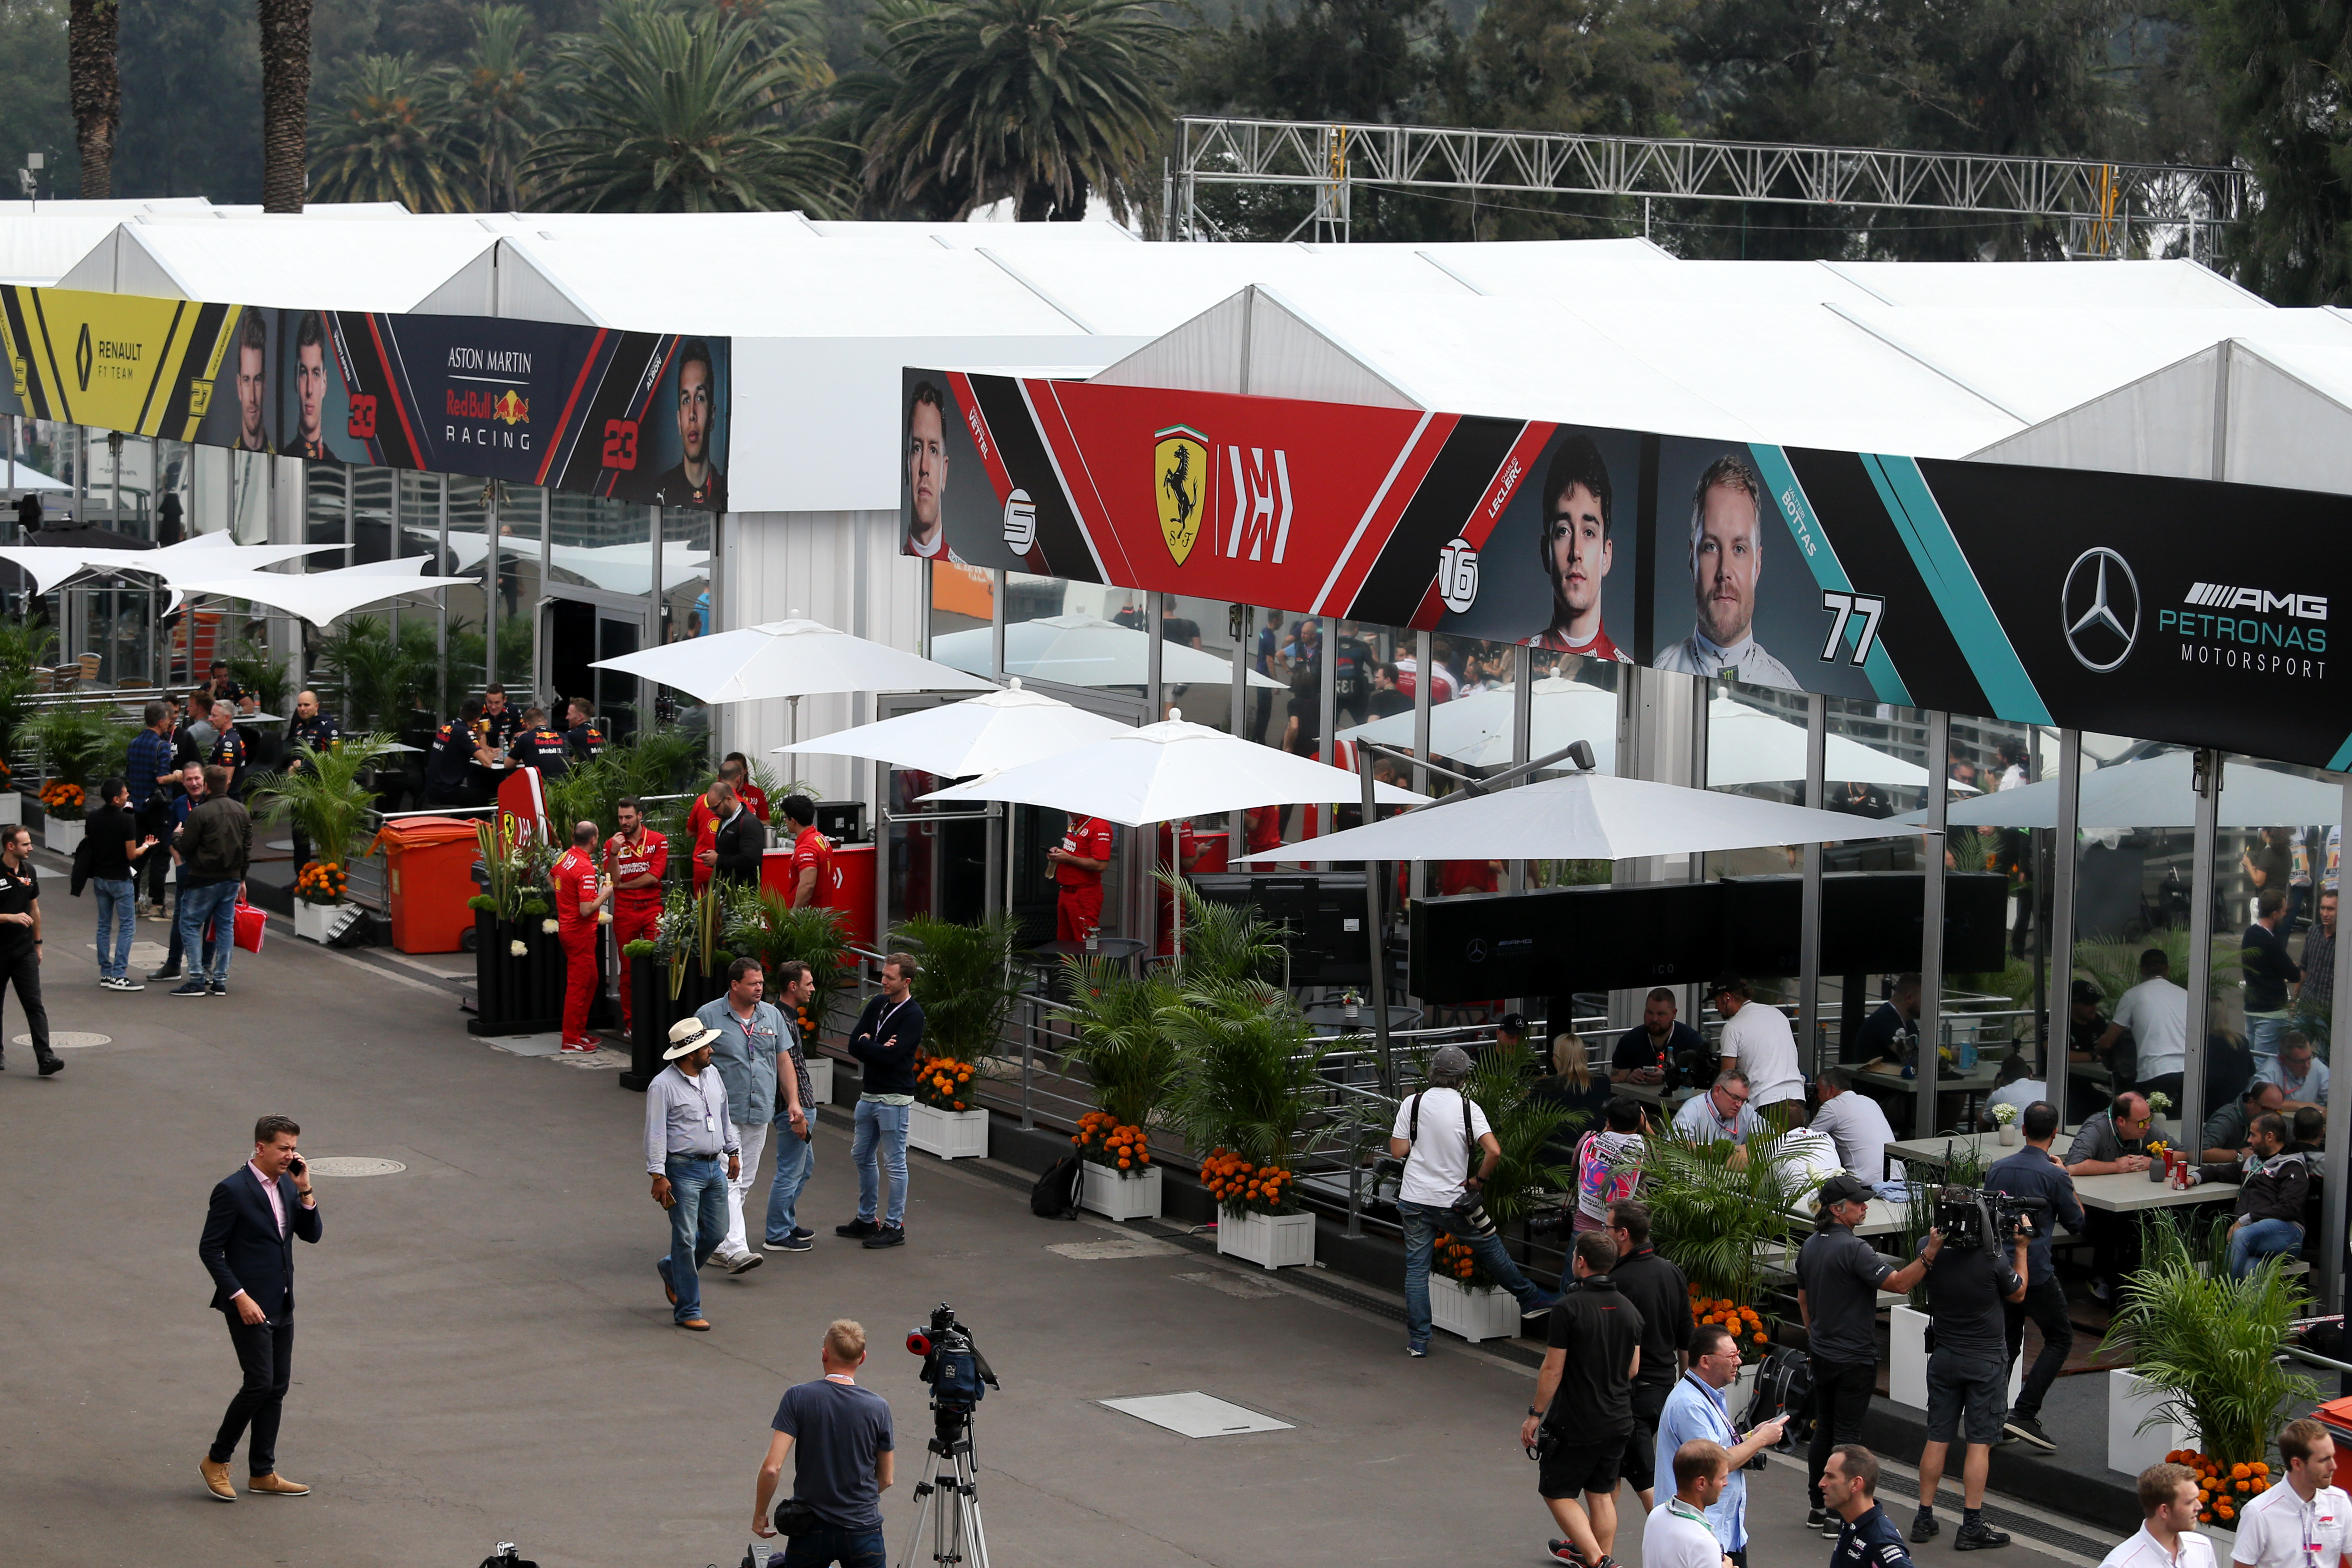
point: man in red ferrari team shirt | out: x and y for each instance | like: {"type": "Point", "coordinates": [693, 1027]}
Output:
{"type": "Point", "coordinates": [811, 874]}
{"type": "Point", "coordinates": [1577, 550]}
{"type": "Point", "coordinates": [579, 904]}
{"type": "Point", "coordinates": [737, 769]}
{"type": "Point", "coordinates": [1468, 877]}
{"type": "Point", "coordinates": [1078, 861]}
{"type": "Point", "coordinates": [635, 860]}
{"type": "Point", "coordinates": [702, 823]}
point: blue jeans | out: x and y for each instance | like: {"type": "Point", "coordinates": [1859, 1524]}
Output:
{"type": "Point", "coordinates": [2267, 1034]}
{"type": "Point", "coordinates": [215, 903]}
{"type": "Point", "coordinates": [885, 1125]}
{"type": "Point", "coordinates": [2260, 1239]}
{"type": "Point", "coordinates": [795, 1157]}
{"type": "Point", "coordinates": [1421, 1224]}
{"type": "Point", "coordinates": [118, 914]}
{"type": "Point", "coordinates": [830, 1543]}
{"type": "Point", "coordinates": [171, 959]}
{"type": "Point", "coordinates": [698, 1223]}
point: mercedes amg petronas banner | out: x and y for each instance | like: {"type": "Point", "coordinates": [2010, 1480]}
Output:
{"type": "Point", "coordinates": [636, 416]}
{"type": "Point", "coordinates": [2157, 607]}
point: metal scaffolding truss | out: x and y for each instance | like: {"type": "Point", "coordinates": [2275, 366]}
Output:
{"type": "Point", "coordinates": [2097, 200]}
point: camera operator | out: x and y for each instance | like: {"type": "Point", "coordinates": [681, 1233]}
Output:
{"type": "Point", "coordinates": [1678, 1534]}
{"type": "Point", "coordinates": [840, 1439]}
{"type": "Point", "coordinates": [2033, 1176]}
{"type": "Point", "coordinates": [1839, 1276]}
{"type": "Point", "coordinates": [2273, 1181]}
{"type": "Point", "coordinates": [1698, 1410]}
{"type": "Point", "coordinates": [1661, 1295]}
{"type": "Point", "coordinates": [1435, 1132]}
{"type": "Point", "coordinates": [1968, 1367]}
{"type": "Point", "coordinates": [1584, 1409]}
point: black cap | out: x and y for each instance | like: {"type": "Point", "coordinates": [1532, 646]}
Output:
{"type": "Point", "coordinates": [2085, 991]}
{"type": "Point", "coordinates": [1723, 982]}
{"type": "Point", "coordinates": [1844, 1188]}
{"type": "Point", "coordinates": [1512, 1024]}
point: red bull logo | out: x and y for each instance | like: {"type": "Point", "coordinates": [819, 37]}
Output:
{"type": "Point", "coordinates": [511, 408]}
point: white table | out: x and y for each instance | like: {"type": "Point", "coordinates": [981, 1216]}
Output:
{"type": "Point", "coordinates": [2131, 1191]}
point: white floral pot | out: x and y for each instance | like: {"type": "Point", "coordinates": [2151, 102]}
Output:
{"type": "Point", "coordinates": [820, 1079]}
{"type": "Point", "coordinates": [12, 808]}
{"type": "Point", "coordinates": [2130, 1449]}
{"type": "Point", "coordinates": [1269, 1240]}
{"type": "Point", "coordinates": [61, 836]}
{"type": "Point", "coordinates": [322, 922]}
{"type": "Point", "coordinates": [1485, 1313]}
{"type": "Point", "coordinates": [950, 1134]}
{"type": "Point", "coordinates": [1116, 1196]}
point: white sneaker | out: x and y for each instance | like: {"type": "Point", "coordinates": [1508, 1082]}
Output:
{"type": "Point", "coordinates": [125, 984]}
{"type": "Point", "coordinates": [740, 1262]}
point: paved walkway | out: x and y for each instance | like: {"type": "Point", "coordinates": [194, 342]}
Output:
{"type": "Point", "coordinates": [485, 1352]}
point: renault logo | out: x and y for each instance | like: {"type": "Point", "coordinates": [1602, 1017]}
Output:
{"type": "Point", "coordinates": [2099, 607]}
{"type": "Point", "coordinates": [83, 358]}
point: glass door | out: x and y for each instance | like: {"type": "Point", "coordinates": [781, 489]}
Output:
{"type": "Point", "coordinates": [578, 627]}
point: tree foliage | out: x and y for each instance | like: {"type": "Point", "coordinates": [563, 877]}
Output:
{"type": "Point", "coordinates": [390, 137]}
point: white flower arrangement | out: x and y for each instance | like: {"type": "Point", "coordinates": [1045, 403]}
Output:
{"type": "Point", "coordinates": [518, 947]}
{"type": "Point", "coordinates": [547, 926]}
{"type": "Point", "coordinates": [2003, 1114]}
{"type": "Point", "coordinates": [2159, 1102]}
{"type": "Point", "coordinates": [604, 917]}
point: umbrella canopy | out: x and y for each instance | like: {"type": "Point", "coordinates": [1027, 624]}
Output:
{"type": "Point", "coordinates": [51, 564]}
{"type": "Point", "coordinates": [1087, 650]}
{"type": "Point", "coordinates": [1165, 772]}
{"type": "Point", "coordinates": [1586, 817]}
{"type": "Point", "coordinates": [317, 598]}
{"type": "Point", "coordinates": [24, 477]}
{"type": "Point", "coordinates": [788, 658]}
{"type": "Point", "coordinates": [983, 734]}
{"type": "Point", "coordinates": [2159, 791]}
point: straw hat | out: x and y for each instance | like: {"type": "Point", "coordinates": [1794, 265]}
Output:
{"type": "Point", "coordinates": [686, 1036]}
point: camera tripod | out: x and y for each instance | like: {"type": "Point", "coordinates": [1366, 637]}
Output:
{"type": "Point", "coordinates": [958, 1539]}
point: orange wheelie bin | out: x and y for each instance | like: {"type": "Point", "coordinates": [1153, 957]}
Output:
{"type": "Point", "coordinates": [428, 876]}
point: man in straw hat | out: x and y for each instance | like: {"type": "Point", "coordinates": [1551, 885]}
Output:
{"type": "Point", "coordinates": [686, 1128]}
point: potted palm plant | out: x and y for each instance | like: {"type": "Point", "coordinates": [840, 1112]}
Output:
{"type": "Point", "coordinates": [76, 744]}
{"type": "Point", "coordinates": [1114, 1019]}
{"type": "Point", "coordinates": [1248, 1077]}
{"type": "Point", "coordinates": [967, 984]}
{"type": "Point", "coordinates": [1461, 1300]}
{"type": "Point", "coordinates": [321, 792]}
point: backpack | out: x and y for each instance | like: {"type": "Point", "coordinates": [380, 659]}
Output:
{"type": "Point", "coordinates": [1056, 1195]}
{"type": "Point", "coordinates": [1784, 1386]}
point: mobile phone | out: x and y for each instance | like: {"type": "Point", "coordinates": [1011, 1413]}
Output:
{"type": "Point", "coordinates": [295, 1167]}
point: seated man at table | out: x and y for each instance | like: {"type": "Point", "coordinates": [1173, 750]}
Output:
{"type": "Point", "coordinates": [2114, 1142]}
{"type": "Point", "coordinates": [1721, 1112]}
{"type": "Point", "coordinates": [2272, 1183]}
{"type": "Point", "coordinates": [1858, 1124]}
{"type": "Point", "coordinates": [2230, 1128]}
{"type": "Point", "coordinates": [2301, 1076]}
{"type": "Point", "coordinates": [2015, 1085]}
{"type": "Point", "coordinates": [1652, 1053]}
{"type": "Point", "coordinates": [1892, 1033]}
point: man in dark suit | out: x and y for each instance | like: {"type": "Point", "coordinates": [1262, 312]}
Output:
{"type": "Point", "coordinates": [248, 1248]}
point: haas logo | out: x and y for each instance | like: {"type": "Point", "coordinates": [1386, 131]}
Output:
{"type": "Point", "coordinates": [1457, 575]}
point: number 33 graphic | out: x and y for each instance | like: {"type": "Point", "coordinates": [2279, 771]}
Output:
{"type": "Point", "coordinates": [1846, 607]}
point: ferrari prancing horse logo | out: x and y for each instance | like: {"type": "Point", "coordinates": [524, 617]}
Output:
{"type": "Point", "coordinates": [1180, 471]}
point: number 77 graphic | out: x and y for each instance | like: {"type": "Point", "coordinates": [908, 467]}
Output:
{"type": "Point", "coordinates": [1845, 607]}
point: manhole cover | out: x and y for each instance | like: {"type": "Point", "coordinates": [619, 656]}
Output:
{"type": "Point", "coordinates": [355, 1165]}
{"type": "Point", "coordinates": [66, 1040]}
{"type": "Point", "coordinates": [1118, 1246]}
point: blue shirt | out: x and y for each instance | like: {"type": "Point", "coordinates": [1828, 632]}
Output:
{"type": "Point", "coordinates": [1871, 1542]}
{"type": "Point", "coordinates": [746, 1057]}
{"type": "Point", "coordinates": [149, 759]}
{"type": "Point", "coordinates": [2033, 1173]}
{"type": "Point", "coordinates": [1695, 1410]}
{"type": "Point", "coordinates": [839, 1432]}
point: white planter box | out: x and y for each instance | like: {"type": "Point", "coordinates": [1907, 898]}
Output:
{"type": "Point", "coordinates": [950, 1134]}
{"type": "Point", "coordinates": [1488, 1314]}
{"type": "Point", "coordinates": [2130, 1402]}
{"type": "Point", "coordinates": [1272, 1241]}
{"type": "Point", "coordinates": [60, 837]}
{"type": "Point", "coordinates": [322, 922]}
{"type": "Point", "coordinates": [12, 808]}
{"type": "Point", "coordinates": [1114, 1196]}
{"type": "Point", "coordinates": [1907, 1370]}
{"type": "Point", "coordinates": [820, 1078]}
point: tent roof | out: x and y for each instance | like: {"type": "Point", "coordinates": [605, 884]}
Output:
{"type": "Point", "coordinates": [293, 263]}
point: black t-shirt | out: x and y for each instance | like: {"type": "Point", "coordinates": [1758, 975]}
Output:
{"type": "Point", "coordinates": [1599, 1330]}
{"type": "Point", "coordinates": [585, 741]}
{"type": "Point", "coordinates": [1179, 630]}
{"type": "Point", "coordinates": [1390, 701]}
{"type": "Point", "coordinates": [1964, 1287]}
{"type": "Point", "coordinates": [1634, 1049]}
{"type": "Point", "coordinates": [450, 759]}
{"type": "Point", "coordinates": [500, 727]}
{"type": "Point", "coordinates": [1885, 1037]}
{"type": "Point", "coordinates": [1351, 671]}
{"type": "Point", "coordinates": [1659, 1291]}
{"type": "Point", "coordinates": [18, 889]}
{"type": "Point", "coordinates": [1306, 706]}
{"type": "Point", "coordinates": [543, 749]}
{"type": "Point", "coordinates": [838, 1431]}
{"type": "Point", "coordinates": [1839, 1275]}
{"type": "Point", "coordinates": [108, 830]}
{"type": "Point", "coordinates": [2268, 969]}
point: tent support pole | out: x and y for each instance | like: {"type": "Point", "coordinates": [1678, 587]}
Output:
{"type": "Point", "coordinates": [2065, 861]}
{"type": "Point", "coordinates": [1238, 621]}
{"type": "Point", "coordinates": [1424, 687]}
{"type": "Point", "coordinates": [1808, 971]}
{"type": "Point", "coordinates": [1523, 673]}
{"type": "Point", "coordinates": [2340, 1127]}
{"type": "Point", "coordinates": [2207, 785]}
{"type": "Point", "coordinates": [1931, 923]}
{"type": "Point", "coordinates": [1374, 938]}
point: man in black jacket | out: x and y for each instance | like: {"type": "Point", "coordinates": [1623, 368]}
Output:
{"type": "Point", "coordinates": [889, 1036]}
{"type": "Point", "coordinates": [2272, 1183]}
{"type": "Point", "coordinates": [248, 1247]}
{"type": "Point", "coordinates": [738, 841]}
{"type": "Point", "coordinates": [1659, 1291]}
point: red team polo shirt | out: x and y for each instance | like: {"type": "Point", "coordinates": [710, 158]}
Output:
{"type": "Point", "coordinates": [1091, 838]}
{"type": "Point", "coordinates": [813, 849]}
{"type": "Point", "coordinates": [576, 880]}
{"type": "Point", "coordinates": [650, 858]}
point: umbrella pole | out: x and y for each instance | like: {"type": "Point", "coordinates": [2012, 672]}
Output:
{"type": "Point", "coordinates": [1372, 935]}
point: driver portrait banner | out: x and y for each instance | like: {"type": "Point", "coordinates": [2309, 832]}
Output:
{"type": "Point", "coordinates": [639, 417]}
{"type": "Point", "coordinates": [2085, 600]}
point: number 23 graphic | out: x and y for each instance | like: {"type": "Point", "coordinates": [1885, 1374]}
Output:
{"type": "Point", "coordinates": [1844, 607]}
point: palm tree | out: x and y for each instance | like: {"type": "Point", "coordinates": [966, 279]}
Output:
{"type": "Point", "coordinates": [682, 111]}
{"type": "Point", "coordinates": [285, 102]}
{"type": "Point", "coordinates": [324, 795]}
{"type": "Point", "coordinates": [391, 139]}
{"type": "Point", "coordinates": [1043, 101]}
{"type": "Point", "coordinates": [92, 29]}
{"type": "Point", "coordinates": [496, 95]}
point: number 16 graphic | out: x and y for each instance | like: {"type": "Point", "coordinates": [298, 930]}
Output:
{"type": "Point", "coordinates": [1845, 607]}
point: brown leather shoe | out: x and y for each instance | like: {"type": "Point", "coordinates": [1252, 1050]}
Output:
{"type": "Point", "coordinates": [216, 1478]}
{"type": "Point", "coordinates": [276, 1486]}
{"type": "Point", "coordinates": [699, 1325]}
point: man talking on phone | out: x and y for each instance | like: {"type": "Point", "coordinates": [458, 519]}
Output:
{"type": "Point", "coordinates": [248, 1247]}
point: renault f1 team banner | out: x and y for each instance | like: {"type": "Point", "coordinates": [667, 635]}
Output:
{"type": "Point", "coordinates": [2122, 604]}
{"type": "Point", "coordinates": [636, 416]}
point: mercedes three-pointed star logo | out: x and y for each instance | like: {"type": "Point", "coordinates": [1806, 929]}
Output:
{"type": "Point", "coordinates": [2099, 608]}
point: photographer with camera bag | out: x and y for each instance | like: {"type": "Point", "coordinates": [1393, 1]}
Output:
{"type": "Point", "coordinates": [1839, 1276]}
{"type": "Point", "coordinates": [840, 1440]}
{"type": "Point", "coordinates": [1435, 1132]}
{"type": "Point", "coordinates": [1969, 1282]}
{"type": "Point", "coordinates": [1576, 1429]}
{"type": "Point", "coordinates": [1697, 1411]}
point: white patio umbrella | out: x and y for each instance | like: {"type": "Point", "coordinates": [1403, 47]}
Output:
{"type": "Point", "coordinates": [24, 477]}
{"type": "Point", "coordinates": [1588, 816]}
{"type": "Point", "coordinates": [1745, 744]}
{"type": "Point", "coordinates": [983, 734]}
{"type": "Point", "coordinates": [317, 598]}
{"type": "Point", "coordinates": [1087, 650]}
{"type": "Point", "coordinates": [51, 564]}
{"type": "Point", "coordinates": [2157, 792]}
{"type": "Point", "coordinates": [787, 658]}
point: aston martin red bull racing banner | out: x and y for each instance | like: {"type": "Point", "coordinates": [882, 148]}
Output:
{"type": "Point", "coordinates": [636, 416]}
{"type": "Point", "coordinates": [2171, 609]}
